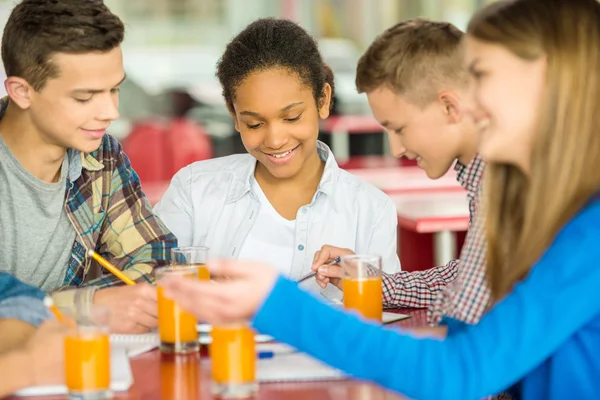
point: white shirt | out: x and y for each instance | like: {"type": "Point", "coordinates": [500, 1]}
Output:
{"type": "Point", "coordinates": [270, 231]}
{"type": "Point", "coordinates": [211, 203]}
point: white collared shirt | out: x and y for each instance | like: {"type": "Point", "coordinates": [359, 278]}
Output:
{"type": "Point", "coordinates": [211, 203]}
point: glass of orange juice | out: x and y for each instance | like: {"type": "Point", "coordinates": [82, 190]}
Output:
{"type": "Point", "coordinates": [193, 256]}
{"type": "Point", "coordinates": [362, 285]}
{"type": "Point", "coordinates": [87, 353]}
{"type": "Point", "coordinates": [176, 327]}
{"type": "Point", "coordinates": [233, 359]}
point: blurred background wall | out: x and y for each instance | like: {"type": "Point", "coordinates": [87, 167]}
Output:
{"type": "Point", "coordinates": [172, 46]}
{"type": "Point", "coordinates": [172, 112]}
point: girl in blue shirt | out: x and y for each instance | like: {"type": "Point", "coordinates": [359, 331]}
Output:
{"type": "Point", "coordinates": [536, 92]}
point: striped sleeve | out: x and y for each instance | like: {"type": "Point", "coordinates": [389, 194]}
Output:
{"type": "Point", "coordinates": [417, 289]}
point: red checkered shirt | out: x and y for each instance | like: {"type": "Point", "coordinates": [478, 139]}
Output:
{"type": "Point", "coordinates": [468, 297]}
{"type": "Point", "coordinates": [428, 288]}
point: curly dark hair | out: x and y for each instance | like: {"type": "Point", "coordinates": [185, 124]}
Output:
{"type": "Point", "coordinates": [36, 29]}
{"type": "Point", "coordinates": [273, 43]}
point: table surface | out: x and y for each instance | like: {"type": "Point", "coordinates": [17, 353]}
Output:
{"type": "Point", "coordinates": [393, 180]}
{"type": "Point", "coordinates": [188, 378]}
{"type": "Point", "coordinates": [352, 124]}
{"type": "Point", "coordinates": [432, 212]}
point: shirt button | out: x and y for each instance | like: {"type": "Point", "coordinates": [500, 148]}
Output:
{"type": "Point", "coordinates": [300, 247]}
{"type": "Point", "coordinates": [304, 210]}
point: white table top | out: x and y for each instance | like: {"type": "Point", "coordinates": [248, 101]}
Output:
{"type": "Point", "coordinates": [353, 124]}
{"type": "Point", "coordinates": [396, 179]}
{"type": "Point", "coordinates": [433, 211]}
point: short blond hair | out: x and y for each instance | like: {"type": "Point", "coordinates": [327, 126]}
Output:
{"type": "Point", "coordinates": [415, 58]}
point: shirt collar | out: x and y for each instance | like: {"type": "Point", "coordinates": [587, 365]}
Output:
{"type": "Point", "coordinates": [470, 176]}
{"type": "Point", "coordinates": [77, 159]}
{"type": "Point", "coordinates": [327, 185]}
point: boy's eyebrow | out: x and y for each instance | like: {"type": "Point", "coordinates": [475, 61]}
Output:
{"type": "Point", "coordinates": [386, 125]}
{"type": "Point", "coordinates": [94, 91]}
{"type": "Point", "coordinates": [472, 64]}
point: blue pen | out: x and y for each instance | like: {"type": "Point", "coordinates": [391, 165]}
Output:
{"type": "Point", "coordinates": [266, 354]}
{"type": "Point", "coordinates": [262, 355]}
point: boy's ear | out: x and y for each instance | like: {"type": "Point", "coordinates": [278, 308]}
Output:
{"type": "Point", "coordinates": [19, 91]}
{"type": "Point", "coordinates": [452, 106]}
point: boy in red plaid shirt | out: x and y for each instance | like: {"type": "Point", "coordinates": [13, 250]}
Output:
{"type": "Point", "coordinates": [416, 83]}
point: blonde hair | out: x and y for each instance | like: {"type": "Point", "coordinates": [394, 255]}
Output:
{"type": "Point", "coordinates": [415, 58]}
{"type": "Point", "coordinates": [525, 212]}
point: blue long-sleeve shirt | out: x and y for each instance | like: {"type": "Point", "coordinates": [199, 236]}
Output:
{"type": "Point", "coordinates": [545, 335]}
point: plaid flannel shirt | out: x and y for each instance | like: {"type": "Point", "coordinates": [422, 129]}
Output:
{"type": "Point", "coordinates": [111, 215]}
{"type": "Point", "coordinates": [422, 288]}
{"type": "Point", "coordinates": [467, 297]}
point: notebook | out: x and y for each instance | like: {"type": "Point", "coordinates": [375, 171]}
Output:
{"type": "Point", "coordinates": [121, 377]}
{"type": "Point", "coordinates": [134, 345]}
{"type": "Point", "coordinates": [290, 366]}
{"type": "Point", "coordinates": [386, 318]}
{"type": "Point", "coordinates": [389, 317]}
{"type": "Point", "coordinates": [205, 338]}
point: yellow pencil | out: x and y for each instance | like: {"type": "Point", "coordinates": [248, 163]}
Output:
{"type": "Point", "coordinates": [49, 303]}
{"type": "Point", "coordinates": [114, 270]}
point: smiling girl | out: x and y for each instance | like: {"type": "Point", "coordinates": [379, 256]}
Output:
{"type": "Point", "coordinates": [536, 93]}
{"type": "Point", "coordinates": [287, 197]}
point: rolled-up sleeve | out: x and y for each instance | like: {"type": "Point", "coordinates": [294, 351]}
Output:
{"type": "Point", "coordinates": [24, 308]}
{"type": "Point", "coordinates": [21, 301]}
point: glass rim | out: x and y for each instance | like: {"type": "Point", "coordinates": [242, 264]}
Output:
{"type": "Point", "coordinates": [89, 330]}
{"type": "Point", "coordinates": [176, 268]}
{"type": "Point", "coordinates": [85, 309]}
{"type": "Point", "coordinates": [364, 278]}
{"type": "Point", "coordinates": [94, 316]}
{"type": "Point", "coordinates": [361, 257]}
{"type": "Point", "coordinates": [232, 325]}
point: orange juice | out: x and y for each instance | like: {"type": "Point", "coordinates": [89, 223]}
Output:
{"type": "Point", "coordinates": [365, 296]}
{"type": "Point", "coordinates": [233, 354]}
{"type": "Point", "coordinates": [87, 361]}
{"type": "Point", "coordinates": [174, 324]}
{"type": "Point", "coordinates": [203, 272]}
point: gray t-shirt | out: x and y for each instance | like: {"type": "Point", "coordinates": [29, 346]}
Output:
{"type": "Point", "coordinates": [36, 236]}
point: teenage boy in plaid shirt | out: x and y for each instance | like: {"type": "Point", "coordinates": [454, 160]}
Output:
{"type": "Point", "coordinates": [66, 187]}
{"type": "Point", "coordinates": [416, 83]}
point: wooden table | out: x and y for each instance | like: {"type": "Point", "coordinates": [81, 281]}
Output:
{"type": "Point", "coordinates": [188, 378]}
